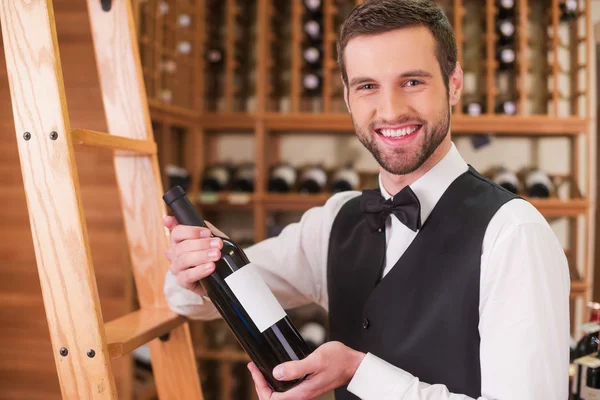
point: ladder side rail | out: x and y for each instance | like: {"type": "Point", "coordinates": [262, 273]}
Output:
{"type": "Point", "coordinates": [54, 201]}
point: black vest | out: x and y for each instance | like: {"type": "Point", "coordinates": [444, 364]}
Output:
{"type": "Point", "coordinates": [423, 316]}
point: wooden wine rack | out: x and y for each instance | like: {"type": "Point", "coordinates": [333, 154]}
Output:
{"type": "Point", "coordinates": [188, 126]}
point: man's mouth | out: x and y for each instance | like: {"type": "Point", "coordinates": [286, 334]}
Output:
{"type": "Point", "coordinates": [398, 132]}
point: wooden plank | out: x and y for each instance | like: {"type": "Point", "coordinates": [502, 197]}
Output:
{"type": "Point", "coordinates": [296, 50]}
{"type": "Point", "coordinates": [491, 89]}
{"type": "Point", "coordinates": [225, 121]}
{"type": "Point", "coordinates": [125, 102]}
{"type": "Point", "coordinates": [263, 27]}
{"type": "Point", "coordinates": [524, 63]}
{"type": "Point", "coordinates": [132, 330]}
{"type": "Point", "coordinates": [54, 202]}
{"type": "Point", "coordinates": [461, 124]}
{"type": "Point", "coordinates": [555, 59]}
{"type": "Point", "coordinates": [113, 142]}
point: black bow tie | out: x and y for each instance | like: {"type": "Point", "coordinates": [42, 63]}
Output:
{"type": "Point", "coordinates": [405, 206]}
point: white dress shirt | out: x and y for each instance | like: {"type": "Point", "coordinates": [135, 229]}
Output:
{"type": "Point", "coordinates": [523, 305]}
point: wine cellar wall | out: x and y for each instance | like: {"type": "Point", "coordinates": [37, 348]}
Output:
{"type": "Point", "coordinates": [249, 116]}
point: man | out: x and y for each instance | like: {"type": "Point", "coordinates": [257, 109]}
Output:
{"type": "Point", "coordinates": [455, 295]}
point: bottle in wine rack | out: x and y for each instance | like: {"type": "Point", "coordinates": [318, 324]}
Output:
{"type": "Point", "coordinates": [505, 29]}
{"type": "Point", "coordinates": [507, 179]}
{"type": "Point", "coordinates": [568, 10]}
{"type": "Point", "coordinates": [313, 22]}
{"type": "Point", "coordinates": [314, 333]}
{"type": "Point", "coordinates": [345, 179]}
{"type": "Point", "coordinates": [312, 180]}
{"type": "Point", "coordinates": [537, 183]}
{"type": "Point", "coordinates": [184, 20]}
{"type": "Point", "coordinates": [311, 83]}
{"type": "Point", "coordinates": [214, 57]}
{"type": "Point", "coordinates": [245, 302]}
{"type": "Point", "coordinates": [506, 107]}
{"type": "Point", "coordinates": [313, 53]}
{"type": "Point", "coordinates": [243, 178]}
{"type": "Point", "coordinates": [282, 178]}
{"type": "Point", "coordinates": [506, 8]}
{"type": "Point", "coordinates": [178, 176]}
{"type": "Point", "coordinates": [473, 108]}
{"type": "Point", "coordinates": [505, 56]}
{"type": "Point", "coordinates": [216, 178]}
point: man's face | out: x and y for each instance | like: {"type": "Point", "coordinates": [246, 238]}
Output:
{"type": "Point", "coordinates": [396, 94]}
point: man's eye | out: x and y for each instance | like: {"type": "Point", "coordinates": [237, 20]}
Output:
{"type": "Point", "coordinates": [413, 82]}
{"type": "Point", "coordinates": [367, 86]}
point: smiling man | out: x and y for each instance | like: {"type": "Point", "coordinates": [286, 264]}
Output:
{"type": "Point", "coordinates": [439, 284]}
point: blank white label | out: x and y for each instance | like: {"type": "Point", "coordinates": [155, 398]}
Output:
{"type": "Point", "coordinates": [256, 297]}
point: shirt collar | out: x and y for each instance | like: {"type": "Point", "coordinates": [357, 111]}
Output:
{"type": "Point", "coordinates": [430, 187]}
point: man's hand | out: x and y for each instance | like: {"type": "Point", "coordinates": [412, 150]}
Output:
{"type": "Point", "coordinates": [192, 253]}
{"type": "Point", "coordinates": [330, 366]}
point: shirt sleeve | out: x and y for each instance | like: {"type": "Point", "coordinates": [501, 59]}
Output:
{"type": "Point", "coordinates": [293, 264]}
{"type": "Point", "coordinates": [524, 325]}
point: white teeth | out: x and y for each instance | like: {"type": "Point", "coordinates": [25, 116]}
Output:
{"type": "Point", "coordinates": [398, 132]}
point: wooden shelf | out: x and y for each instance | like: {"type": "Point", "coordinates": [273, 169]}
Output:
{"type": "Point", "coordinates": [551, 207]}
{"type": "Point", "coordinates": [341, 123]}
{"type": "Point", "coordinates": [578, 288]}
{"type": "Point", "coordinates": [228, 121]}
{"type": "Point", "coordinates": [560, 208]}
{"type": "Point", "coordinates": [132, 330]}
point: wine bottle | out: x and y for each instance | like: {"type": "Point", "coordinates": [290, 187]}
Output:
{"type": "Point", "coordinates": [282, 178]}
{"type": "Point", "coordinates": [506, 57]}
{"type": "Point", "coordinates": [473, 108]}
{"type": "Point", "coordinates": [245, 302]}
{"type": "Point", "coordinates": [568, 10]}
{"type": "Point", "coordinates": [311, 83]}
{"type": "Point", "coordinates": [537, 183]}
{"type": "Point", "coordinates": [507, 179]}
{"type": "Point", "coordinates": [313, 54]}
{"type": "Point", "coordinates": [506, 31]}
{"type": "Point", "coordinates": [590, 329]}
{"type": "Point", "coordinates": [507, 107]}
{"type": "Point", "coordinates": [314, 19]}
{"type": "Point", "coordinates": [243, 178]}
{"type": "Point", "coordinates": [313, 333]}
{"type": "Point", "coordinates": [312, 180]}
{"type": "Point", "coordinates": [178, 176]}
{"type": "Point", "coordinates": [216, 178]}
{"type": "Point", "coordinates": [214, 56]}
{"type": "Point", "coordinates": [141, 357]}
{"type": "Point", "coordinates": [506, 8]}
{"type": "Point", "coordinates": [345, 179]}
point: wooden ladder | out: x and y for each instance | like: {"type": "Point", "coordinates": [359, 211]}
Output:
{"type": "Point", "coordinates": [83, 344]}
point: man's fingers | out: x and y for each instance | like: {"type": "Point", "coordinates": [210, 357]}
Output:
{"type": "Point", "coordinates": [170, 222]}
{"type": "Point", "coordinates": [189, 278]}
{"type": "Point", "coordinates": [295, 369]}
{"type": "Point", "coordinates": [263, 389]}
{"type": "Point", "coordinates": [191, 259]}
{"type": "Point", "coordinates": [186, 232]}
{"type": "Point", "coordinates": [197, 245]}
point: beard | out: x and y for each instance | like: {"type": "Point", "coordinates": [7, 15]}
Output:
{"type": "Point", "coordinates": [402, 161]}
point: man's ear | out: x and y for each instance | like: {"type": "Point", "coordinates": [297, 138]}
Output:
{"type": "Point", "coordinates": [455, 85]}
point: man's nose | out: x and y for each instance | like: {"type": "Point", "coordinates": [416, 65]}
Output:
{"type": "Point", "coordinates": [392, 104]}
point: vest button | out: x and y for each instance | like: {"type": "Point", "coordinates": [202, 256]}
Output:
{"type": "Point", "coordinates": [365, 323]}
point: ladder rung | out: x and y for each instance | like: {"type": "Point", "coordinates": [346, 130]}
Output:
{"type": "Point", "coordinates": [132, 330]}
{"type": "Point", "coordinates": [112, 142]}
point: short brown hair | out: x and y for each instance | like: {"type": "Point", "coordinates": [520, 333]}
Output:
{"type": "Point", "coordinates": [380, 16]}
